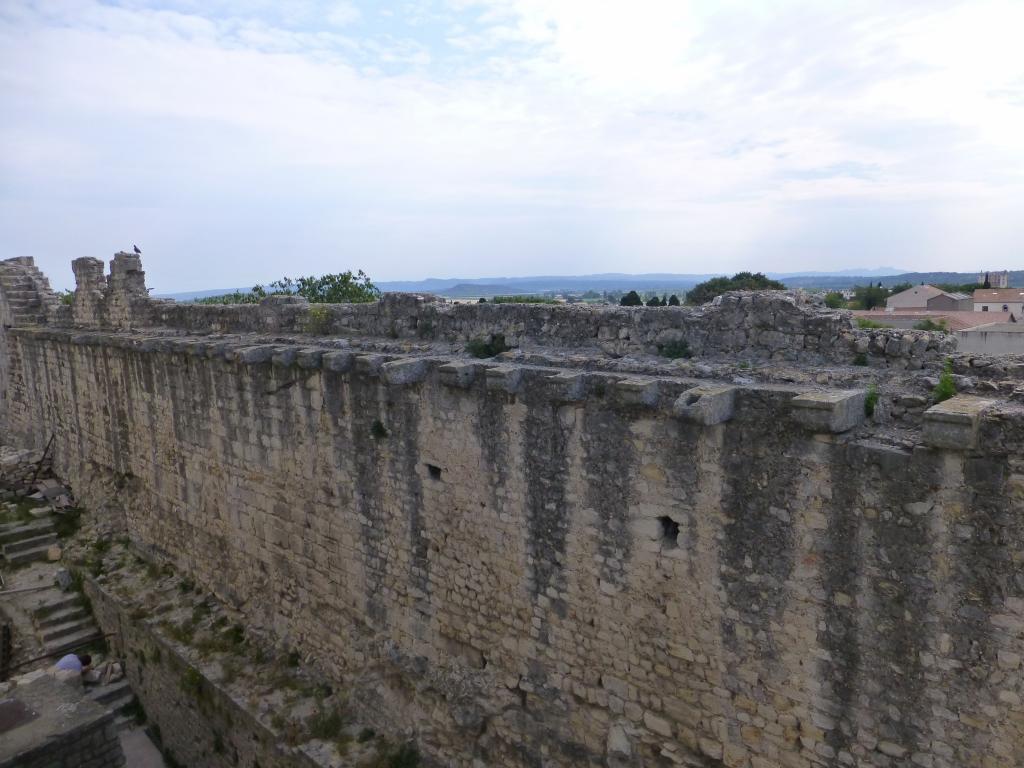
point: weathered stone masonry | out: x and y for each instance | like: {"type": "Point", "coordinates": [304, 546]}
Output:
{"type": "Point", "coordinates": [558, 567]}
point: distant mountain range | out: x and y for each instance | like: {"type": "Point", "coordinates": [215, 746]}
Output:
{"type": "Point", "coordinates": [656, 281]}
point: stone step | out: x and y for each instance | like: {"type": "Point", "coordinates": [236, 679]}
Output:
{"type": "Point", "coordinates": [37, 554]}
{"type": "Point", "coordinates": [116, 694]}
{"type": "Point", "coordinates": [61, 603]}
{"type": "Point", "coordinates": [62, 616]}
{"type": "Point", "coordinates": [18, 531]}
{"type": "Point", "coordinates": [43, 540]}
{"type": "Point", "coordinates": [75, 642]}
{"type": "Point", "coordinates": [69, 628]}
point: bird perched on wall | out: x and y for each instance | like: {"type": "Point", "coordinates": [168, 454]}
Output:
{"type": "Point", "coordinates": [137, 249]}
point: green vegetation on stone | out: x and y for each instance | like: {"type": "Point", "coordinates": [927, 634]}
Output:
{"type": "Point", "coordinates": [704, 292]}
{"type": "Point", "coordinates": [871, 401]}
{"type": "Point", "coordinates": [946, 388]}
{"type": "Point", "coordinates": [675, 349]}
{"type": "Point", "coordinates": [484, 347]}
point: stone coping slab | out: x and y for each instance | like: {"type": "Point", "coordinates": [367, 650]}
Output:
{"type": "Point", "coordinates": [832, 411]}
{"type": "Point", "coordinates": [953, 423]}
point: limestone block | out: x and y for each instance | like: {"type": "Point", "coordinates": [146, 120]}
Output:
{"type": "Point", "coordinates": [568, 385]}
{"type": "Point", "coordinates": [369, 365]}
{"type": "Point", "coordinates": [834, 411]}
{"type": "Point", "coordinates": [953, 424]}
{"type": "Point", "coordinates": [254, 355]}
{"type": "Point", "coordinates": [285, 356]}
{"type": "Point", "coordinates": [340, 362]}
{"type": "Point", "coordinates": [504, 377]}
{"type": "Point", "coordinates": [637, 391]}
{"type": "Point", "coordinates": [457, 374]}
{"type": "Point", "coordinates": [404, 372]}
{"type": "Point", "coordinates": [706, 405]}
{"type": "Point", "coordinates": [309, 358]}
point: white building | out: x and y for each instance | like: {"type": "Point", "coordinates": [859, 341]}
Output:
{"type": "Point", "coordinates": [995, 279]}
{"type": "Point", "coordinates": [999, 300]}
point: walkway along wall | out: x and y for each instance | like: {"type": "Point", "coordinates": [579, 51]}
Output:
{"type": "Point", "coordinates": [560, 568]}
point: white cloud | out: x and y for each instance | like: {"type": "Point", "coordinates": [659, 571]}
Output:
{"type": "Point", "coordinates": [686, 134]}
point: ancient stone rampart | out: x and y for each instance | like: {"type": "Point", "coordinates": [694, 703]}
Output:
{"type": "Point", "coordinates": [560, 567]}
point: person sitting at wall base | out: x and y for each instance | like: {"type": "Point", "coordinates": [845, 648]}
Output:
{"type": "Point", "coordinates": [74, 662]}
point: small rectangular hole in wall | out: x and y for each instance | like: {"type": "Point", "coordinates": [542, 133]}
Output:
{"type": "Point", "coordinates": [669, 532]}
{"type": "Point", "coordinates": [435, 472]}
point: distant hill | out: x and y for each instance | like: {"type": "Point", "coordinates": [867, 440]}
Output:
{"type": "Point", "coordinates": [656, 281]}
{"type": "Point", "coordinates": [848, 281]}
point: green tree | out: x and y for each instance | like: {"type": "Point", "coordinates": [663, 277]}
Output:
{"type": "Point", "coordinates": [901, 287]}
{"type": "Point", "coordinates": [968, 288]}
{"type": "Point", "coordinates": [741, 281]}
{"type": "Point", "coordinates": [868, 296]}
{"type": "Point", "coordinates": [673, 300]}
{"type": "Point", "coordinates": [338, 288]}
{"type": "Point", "coordinates": [834, 300]}
{"type": "Point", "coordinates": [631, 299]}
{"type": "Point", "coordinates": [654, 301]}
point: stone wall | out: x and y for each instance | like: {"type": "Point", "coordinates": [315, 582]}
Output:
{"type": "Point", "coordinates": [25, 299]}
{"type": "Point", "coordinates": [559, 568]}
{"type": "Point", "coordinates": [19, 465]}
{"type": "Point", "coordinates": [538, 566]}
{"type": "Point", "coordinates": [199, 723]}
{"type": "Point", "coordinates": [67, 731]}
{"type": "Point", "coordinates": [758, 325]}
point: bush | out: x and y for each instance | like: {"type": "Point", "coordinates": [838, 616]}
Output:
{"type": "Point", "coordinates": [871, 401]}
{"type": "Point", "coordinates": [867, 322]}
{"type": "Point", "coordinates": [487, 347]}
{"type": "Point", "coordinates": [704, 292]}
{"type": "Point", "coordinates": [337, 288]}
{"type": "Point", "coordinates": [946, 387]}
{"type": "Point", "coordinates": [673, 300]}
{"type": "Point", "coordinates": [929, 325]}
{"type": "Point", "coordinates": [834, 300]}
{"type": "Point", "coordinates": [631, 299]}
{"type": "Point", "coordinates": [326, 725]}
{"type": "Point", "coordinates": [675, 349]}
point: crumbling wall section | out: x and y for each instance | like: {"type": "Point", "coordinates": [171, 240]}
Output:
{"type": "Point", "coordinates": [25, 299]}
{"type": "Point", "coordinates": [758, 325]}
{"type": "Point", "coordinates": [570, 569]}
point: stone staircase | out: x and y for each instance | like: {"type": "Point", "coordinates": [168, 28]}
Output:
{"type": "Point", "coordinates": [115, 696]}
{"type": "Point", "coordinates": [64, 624]}
{"type": "Point", "coordinates": [22, 543]}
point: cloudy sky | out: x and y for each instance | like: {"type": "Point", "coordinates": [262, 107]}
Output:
{"type": "Point", "coordinates": [239, 141]}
